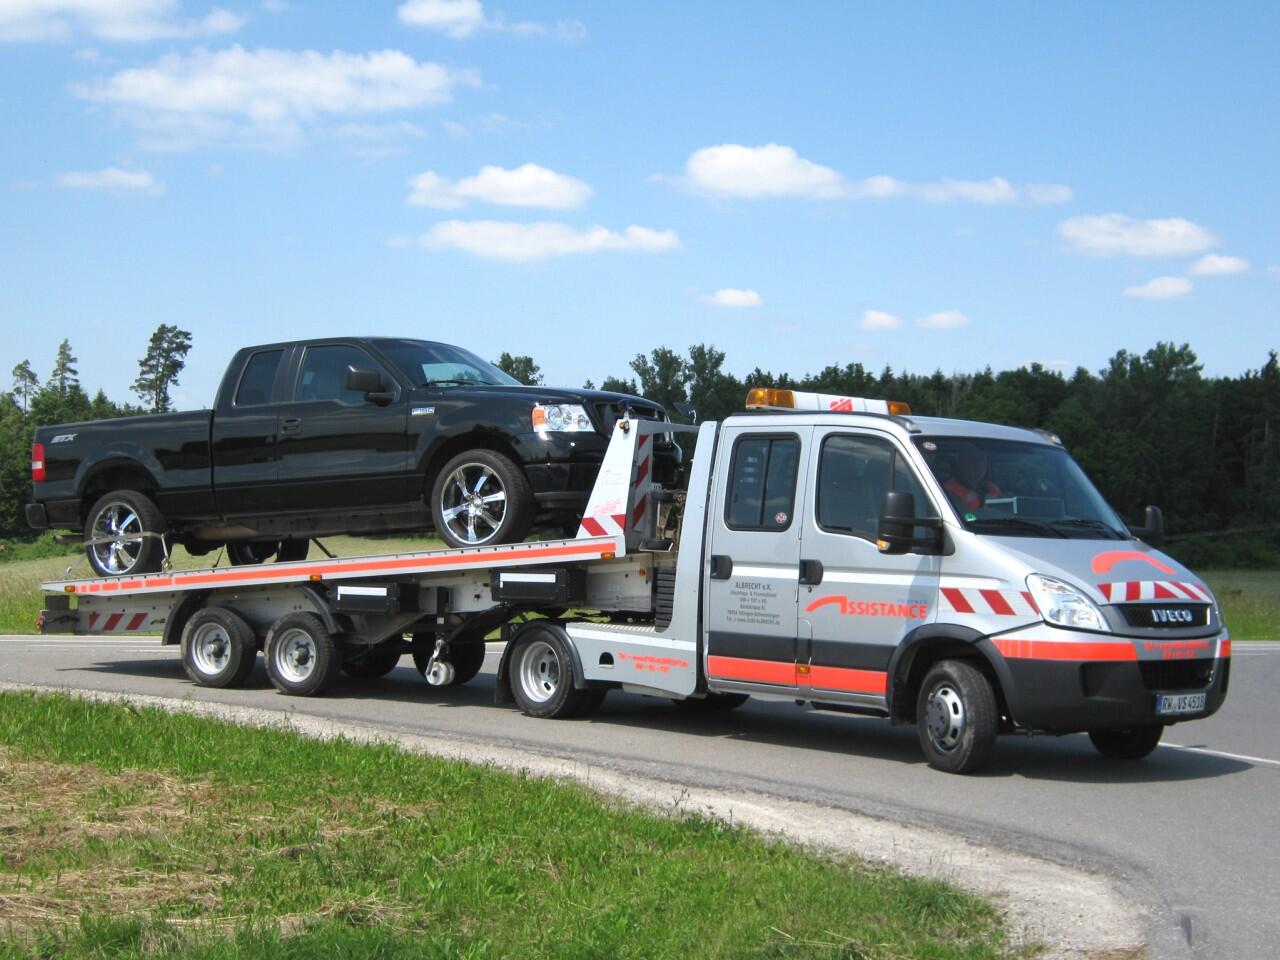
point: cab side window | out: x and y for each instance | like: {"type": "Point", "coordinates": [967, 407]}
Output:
{"type": "Point", "coordinates": [324, 374]}
{"type": "Point", "coordinates": [258, 378]}
{"type": "Point", "coordinates": [762, 483]}
{"type": "Point", "coordinates": [854, 474]}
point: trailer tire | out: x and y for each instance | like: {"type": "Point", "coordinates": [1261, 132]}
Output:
{"type": "Point", "coordinates": [303, 658]}
{"type": "Point", "coordinates": [542, 676]}
{"type": "Point", "coordinates": [466, 658]}
{"type": "Point", "coordinates": [455, 500]}
{"type": "Point", "coordinates": [372, 663]}
{"type": "Point", "coordinates": [956, 717]}
{"type": "Point", "coordinates": [124, 512]}
{"type": "Point", "coordinates": [1131, 743]}
{"type": "Point", "coordinates": [218, 648]}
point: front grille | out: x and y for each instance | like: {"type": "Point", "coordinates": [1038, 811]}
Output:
{"type": "Point", "coordinates": [1168, 675]}
{"type": "Point", "coordinates": [1165, 616]}
{"type": "Point", "coordinates": [607, 413]}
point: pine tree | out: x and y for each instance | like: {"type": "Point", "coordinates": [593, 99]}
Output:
{"type": "Point", "coordinates": [25, 383]}
{"type": "Point", "coordinates": [159, 369]}
{"type": "Point", "coordinates": [520, 367]}
{"type": "Point", "coordinates": [65, 375]}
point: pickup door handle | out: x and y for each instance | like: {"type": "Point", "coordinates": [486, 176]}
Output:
{"type": "Point", "coordinates": [810, 573]}
{"type": "Point", "coordinates": [291, 425]}
{"type": "Point", "coordinates": [721, 567]}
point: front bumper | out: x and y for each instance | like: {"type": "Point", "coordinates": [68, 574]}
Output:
{"type": "Point", "coordinates": [1063, 681]}
{"type": "Point", "coordinates": [561, 467]}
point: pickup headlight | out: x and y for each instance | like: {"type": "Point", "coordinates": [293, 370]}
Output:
{"type": "Point", "coordinates": [561, 418]}
{"type": "Point", "coordinates": [1064, 606]}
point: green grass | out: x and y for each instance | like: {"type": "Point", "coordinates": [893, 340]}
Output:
{"type": "Point", "coordinates": [129, 832]}
{"type": "Point", "coordinates": [1250, 601]}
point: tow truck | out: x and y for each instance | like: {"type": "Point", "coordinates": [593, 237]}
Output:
{"type": "Point", "coordinates": [838, 552]}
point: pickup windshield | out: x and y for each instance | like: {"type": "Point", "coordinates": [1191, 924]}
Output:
{"type": "Point", "coordinates": [1007, 488]}
{"type": "Point", "coordinates": [440, 365]}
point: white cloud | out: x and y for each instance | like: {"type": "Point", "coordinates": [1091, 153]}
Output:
{"type": "Point", "coordinates": [529, 185]}
{"type": "Point", "coordinates": [504, 240]}
{"type": "Point", "coordinates": [943, 320]}
{"type": "Point", "coordinates": [775, 170]}
{"type": "Point", "coordinates": [1215, 264]}
{"type": "Point", "coordinates": [126, 21]}
{"type": "Point", "coordinates": [879, 320]}
{"type": "Point", "coordinates": [732, 297]}
{"type": "Point", "coordinates": [264, 97]}
{"type": "Point", "coordinates": [460, 19]}
{"type": "Point", "coordinates": [1161, 288]}
{"type": "Point", "coordinates": [1112, 233]}
{"type": "Point", "coordinates": [112, 178]}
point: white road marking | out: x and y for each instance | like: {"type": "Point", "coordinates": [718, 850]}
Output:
{"type": "Point", "coordinates": [1222, 753]}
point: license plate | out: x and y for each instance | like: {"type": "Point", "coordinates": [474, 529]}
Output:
{"type": "Point", "coordinates": [1168, 703]}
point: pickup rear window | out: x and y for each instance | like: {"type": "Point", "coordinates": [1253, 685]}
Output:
{"type": "Point", "coordinates": [258, 379]}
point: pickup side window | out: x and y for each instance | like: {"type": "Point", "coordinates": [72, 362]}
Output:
{"type": "Point", "coordinates": [324, 374]}
{"type": "Point", "coordinates": [762, 483]}
{"type": "Point", "coordinates": [854, 472]}
{"type": "Point", "coordinates": [258, 378]}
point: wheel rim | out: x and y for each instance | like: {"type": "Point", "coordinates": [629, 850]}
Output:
{"type": "Point", "coordinates": [295, 655]}
{"type": "Point", "coordinates": [117, 519]}
{"type": "Point", "coordinates": [211, 648]}
{"type": "Point", "coordinates": [539, 672]}
{"type": "Point", "coordinates": [944, 716]}
{"type": "Point", "coordinates": [473, 503]}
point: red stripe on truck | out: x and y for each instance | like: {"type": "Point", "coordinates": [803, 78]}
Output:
{"type": "Point", "coordinates": [1015, 649]}
{"type": "Point", "coordinates": [854, 681]}
{"type": "Point", "coordinates": [752, 671]}
{"type": "Point", "coordinates": [956, 599]}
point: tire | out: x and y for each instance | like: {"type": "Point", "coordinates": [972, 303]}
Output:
{"type": "Point", "coordinates": [303, 658]}
{"type": "Point", "coordinates": [956, 717]}
{"type": "Point", "coordinates": [1132, 743]}
{"type": "Point", "coordinates": [541, 676]}
{"type": "Point", "coordinates": [592, 698]}
{"type": "Point", "coordinates": [246, 552]}
{"type": "Point", "coordinates": [372, 663]}
{"type": "Point", "coordinates": [466, 658]}
{"type": "Point", "coordinates": [712, 702]}
{"type": "Point", "coordinates": [124, 512]}
{"type": "Point", "coordinates": [218, 648]}
{"type": "Point", "coordinates": [467, 494]}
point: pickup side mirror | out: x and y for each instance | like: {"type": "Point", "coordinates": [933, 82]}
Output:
{"type": "Point", "coordinates": [1152, 529]}
{"type": "Point", "coordinates": [898, 523]}
{"type": "Point", "coordinates": [369, 382]}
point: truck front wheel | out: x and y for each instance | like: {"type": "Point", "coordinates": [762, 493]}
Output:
{"type": "Point", "coordinates": [122, 534]}
{"type": "Point", "coordinates": [481, 497]}
{"type": "Point", "coordinates": [1132, 743]}
{"type": "Point", "coordinates": [956, 717]}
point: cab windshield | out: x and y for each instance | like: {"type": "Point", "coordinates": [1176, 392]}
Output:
{"type": "Point", "coordinates": [440, 365]}
{"type": "Point", "coordinates": [1011, 489]}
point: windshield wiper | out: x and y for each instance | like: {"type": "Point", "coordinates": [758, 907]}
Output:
{"type": "Point", "coordinates": [1083, 524]}
{"type": "Point", "coordinates": [1021, 523]}
{"type": "Point", "coordinates": [450, 381]}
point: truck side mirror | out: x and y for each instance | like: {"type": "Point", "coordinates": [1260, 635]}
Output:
{"type": "Point", "coordinates": [898, 522]}
{"type": "Point", "coordinates": [1152, 529]}
{"type": "Point", "coordinates": [369, 382]}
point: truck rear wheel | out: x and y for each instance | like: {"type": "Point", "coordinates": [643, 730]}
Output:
{"type": "Point", "coordinates": [1132, 743]}
{"type": "Point", "coordinates": [130, 526]}
{"type": "Point", "coordinates": [956, 717]}
{"type": "Point", "coordinates": [542, 676]}
{"type": "Point", "coordinates": [303, 658]}
{"type": "Point", "coordinates": [218, 648]}
{"type": "Point", "coordinates": [481, 497]}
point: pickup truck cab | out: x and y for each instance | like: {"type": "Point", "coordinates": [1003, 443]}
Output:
{"type": "Point", "coordinates": [321, 437]}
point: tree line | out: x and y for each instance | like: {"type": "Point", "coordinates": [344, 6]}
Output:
{"type": "Point", "coordinates": [1148, 428]}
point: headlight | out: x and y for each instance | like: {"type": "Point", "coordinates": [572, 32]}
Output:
{"type": "Point", "coordinates": [561, 418]}
{"type": "Point", "coordinates": [1064, 606]}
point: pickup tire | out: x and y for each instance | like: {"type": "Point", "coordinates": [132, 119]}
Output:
{"type": "Point", "coordinates": [122, 513]}
{"type": "Point", "coordinates": [218, 648]}
{"type": "Point", "coordinates": [244, 552]}
{"type": "Point", "coordinates": [1132, 743]}
{"type": "Point", "coordinates": [481, 497]}
{"type": "Point", "coordinates": [956, 717]}
{"type": "Point", "coordinates": [303, 658]}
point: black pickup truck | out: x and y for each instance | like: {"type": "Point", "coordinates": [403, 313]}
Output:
{"type": "Point", "coordinates": [321, 437]}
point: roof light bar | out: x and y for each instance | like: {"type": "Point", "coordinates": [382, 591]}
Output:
{"type": "Point", "coordinates": [770, 398]}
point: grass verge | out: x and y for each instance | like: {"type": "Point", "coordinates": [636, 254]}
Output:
{"type": "Point", "coordinates": [130, 832]}
{"type": "Point", "coordinates": [1250, 601]}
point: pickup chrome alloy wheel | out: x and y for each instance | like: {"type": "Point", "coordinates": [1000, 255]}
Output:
{"type": "Point", "coordinates": [474, 503]}
{"type": "Point", "coordinates": [122, 534]}
{"type": "Point", "coordinates": [117, 519]}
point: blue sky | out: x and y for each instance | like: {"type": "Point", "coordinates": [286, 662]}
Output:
{"type": "Point", "coordinates": [919, 185]}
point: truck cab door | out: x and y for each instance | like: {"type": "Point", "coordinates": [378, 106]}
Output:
{"type": "Point", "coordinates": [866, 601]}
{"type": "Point", "coordinates": [243, 437]}
{"type": "Point", "coordinates": [751, 614]}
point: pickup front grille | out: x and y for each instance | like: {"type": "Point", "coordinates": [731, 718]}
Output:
{"type": "Point", "coordinates": [608, 412]}
{"type": "Point", "coordinates": [1168, 675]}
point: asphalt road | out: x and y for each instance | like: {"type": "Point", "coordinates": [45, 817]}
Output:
{"type": "Point", "coordinates": [1193, 832]}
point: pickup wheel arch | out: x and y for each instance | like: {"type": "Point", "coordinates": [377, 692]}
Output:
{"type": "Point", "coordinates": [926, 645]}
{"type": "Point", "coordinates": [447, 449]}
{"type": "Point", "coordinates": [113, 474]}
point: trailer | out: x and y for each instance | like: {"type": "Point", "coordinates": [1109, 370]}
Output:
{"type": "Point", "coordinates": [833, 551]}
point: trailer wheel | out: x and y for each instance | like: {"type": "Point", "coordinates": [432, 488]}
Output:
{"type": "Point", "coordinates": [481, 497]}
{"type": "Point", "coordinates": [372, 663]}
{"type": "Point", "coordinates": [218, 648]}
{"type": "Point", "coordinates": [465, 658]}
{"type": "Point", "coordinates": [542, 676]}
{"type": "Point", "coordinates": [956, 717]}
{"type": "Point", "coordinates": [303, 658]}
{"type": "Point", "coordinates": [1131, 743]}
{"type": "Point", "coordinates": [124, 514]}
